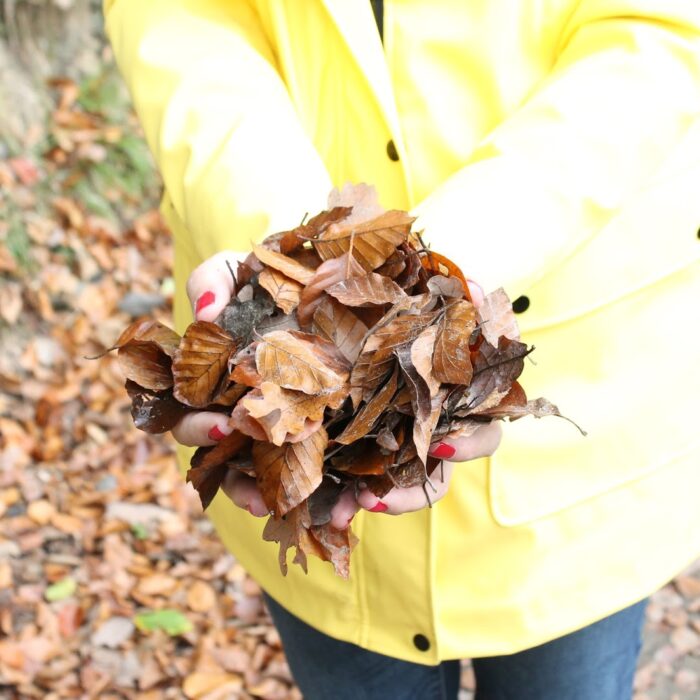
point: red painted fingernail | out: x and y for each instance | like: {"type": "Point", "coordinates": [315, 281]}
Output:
{"type": "Point", "coordinates": [379, 508]}
{"type": "Point", "coordinates": [442, 451]}
{"type": "Point", "coordinates": [204, 300]}
{"type": "Point", "coordinates": [216, 434]}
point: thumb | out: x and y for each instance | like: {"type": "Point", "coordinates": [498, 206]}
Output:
{"type": "Point", "coordinates": [210, 285]}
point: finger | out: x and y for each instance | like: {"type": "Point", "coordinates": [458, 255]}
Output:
{"type": "Point", "coordinates": [476, 293]}
{"type": "Point", "coordinates": [244, 492]}
{"type": "Point", "coordinates": [407, 500]}
{"type": "Point", "coordinates": [202, 428]}
{"type": "Point", "coordinates": [482, 443]}
{"type": "Point", "coordinates": [211, 284]}
{"type": "Point", "coordinates": [344, 510]}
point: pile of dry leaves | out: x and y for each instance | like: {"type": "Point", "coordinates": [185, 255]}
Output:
{"type": "Point", "coordinates": [346, 348]}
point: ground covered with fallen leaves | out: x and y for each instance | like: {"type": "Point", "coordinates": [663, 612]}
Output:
{"type": "Point", "coordinates": [112, 584]}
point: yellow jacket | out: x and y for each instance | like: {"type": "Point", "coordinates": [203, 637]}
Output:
{"type": "Point", "coordinates": [550, 146]}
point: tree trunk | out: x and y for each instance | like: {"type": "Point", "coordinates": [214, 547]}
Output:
{"type": "Point", "coordinates": [40, 39]}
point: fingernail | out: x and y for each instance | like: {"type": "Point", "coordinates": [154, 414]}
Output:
{"type": "Point", "coordinates": [203, 301]}
{"type": "Point", "coordinates": [442, 451]}
{"type": "Point", "coordinates": [249, 509]}
{"type": "Point", "coordinates": [216, 434]}
{"type": "Point", "coordinates": [379, 508]}
{"type": "Point", "coordinates": [475, 291]}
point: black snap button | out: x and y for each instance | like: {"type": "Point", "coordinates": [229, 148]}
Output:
{"type": "Point", "coordinates": [391, 151]}
{"type": "Point", "coordinates": [521, 304]}
{"type": "Point", "coordinates": [698, 233]}
{"type": "Point", "coordinates": [421, 642]}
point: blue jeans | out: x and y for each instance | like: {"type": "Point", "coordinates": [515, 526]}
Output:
{"type": "Point", "coordinates": [595, 663]}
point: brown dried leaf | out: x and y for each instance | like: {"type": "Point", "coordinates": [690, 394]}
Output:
{"type": "Point", "coordinates": [292, 363]}
{"type": "Point", "coordinates": [199, 363]}
{"type": "Point", "coordinates": [365, 418]}
{"type": "Point", "coordinates": [423, 427]}
{"type": "Point", "coordinates": [362, 459]}
{"type": "Point", "coordinates": [497, 318]}
{"type": "Point", "coordinates": [335, 546]}
{"type": "Point", "coordinates": [376, 359]}
{"type": "Point", "coordinates": [246, 372]}
{"type": "Point", "coordinates": [242, 421]}
{"type": "Point", "coordinates": [363, 200]}
{"type": "Point", "coordinates": [371, 242]}
{"type": "Point", "coordinates": [340, 326]}
{"type": "Point", "coordinates": [495, 369]}
{"type": "Point", "coordinates": [284, 264]}
{"type": "Point", "coordinates": [289, 474]}
{"type": "Point", "coordinates": [437, 264]}
{"type": "Point", "coordinates": [285, 292]}
{"type": "Point", "coordinates": [288, 241]}
{"type": "Point", "coordinates": [146, 349]}
{"type": "Point", "coordinates": [449, 287]}
{"type": "Point", "coordinates": [539, 408]}
{"type": "Point", "coordinates": [417, 387]}
{"type": "Point", "coordinates": [147, 365]}
{"type": "Point", "coordinates": [149, 331]}
{"type": "Point", "coordinates": [154, 412]}
{"type": "Point", "coordinates": [283, 412]}
{"type": "Point", "coordinates": [422, 358]}
{"type": "Point", "coordinates": [208, 466]}
{"type": "Point", "coordinates": [370, 290]}
{"type": "Point", "coordinates": [452, 362]}
{"type": "Point", "coordinates": [292, 530]}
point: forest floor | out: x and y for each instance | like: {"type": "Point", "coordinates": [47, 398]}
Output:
{"type": "Point", "coordinates": [112, 583]}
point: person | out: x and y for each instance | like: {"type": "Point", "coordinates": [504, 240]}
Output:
{"type": "Point", "coordinates": [552, 148]}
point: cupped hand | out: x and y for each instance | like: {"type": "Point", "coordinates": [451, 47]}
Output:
{"type": "Point", "coordinates": [209, 289]}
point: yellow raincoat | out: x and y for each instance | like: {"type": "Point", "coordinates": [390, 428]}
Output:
{"type": "Point", "coordinates": [549, 146]}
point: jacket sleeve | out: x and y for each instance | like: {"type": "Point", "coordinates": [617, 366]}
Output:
{"type": "Point", "coordinates": [622, 91]}
{"type": "Point", "coordinates": [235, 160]}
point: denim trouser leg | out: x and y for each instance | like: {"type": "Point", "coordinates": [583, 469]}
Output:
{"type": "Point", "coordinates": [595, 663]}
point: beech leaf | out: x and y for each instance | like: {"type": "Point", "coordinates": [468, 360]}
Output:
{"type": "Point", "coordinates": [497, 318]}
{"type": "Point", "coordinates": [452, 362]}
{"type": "Point", "coordinates": [292, 364]}
{"type": "Point", "coordinates": [199, 362]}
{"type": "Point", "coordinates": [340, 326]}
{"type": "Point", "coordinates": [289, 474]}
{"type": "Point", "coordinates": [284, 264]}
{"type": "Point", "coordinates": [370, 290]}
{"type": "Point", "coordinates": [371, 242]}
{"type": "Point", "coordinates": [285, 292]}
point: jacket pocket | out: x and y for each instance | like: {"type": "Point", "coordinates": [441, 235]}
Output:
{"type": "Point", "coordinates": [627, 373]}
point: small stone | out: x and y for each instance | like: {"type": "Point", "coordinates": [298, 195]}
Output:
{"type": "Point", "coordinates": [113, 633]}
